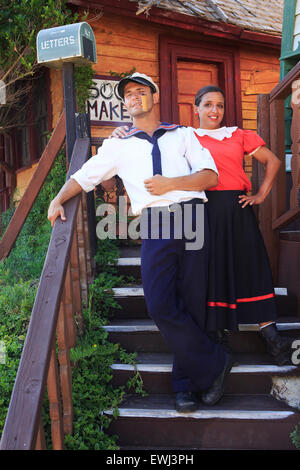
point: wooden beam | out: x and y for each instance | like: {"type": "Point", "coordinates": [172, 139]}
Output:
{"type": "Point", "coordinates": [284, 88]}
{"type": "Point", "coordinates": [286, 218]}
{"type": "Point", "coordinates": [277, 144]}
{"type": "Point", "coordinates": [265, 209]}
{"type": "Point", "coordinates": [23, 417]}
{"type": "Point", "coordinates": [53, 388]}
{"type": "Point", "coordinates": [44, 166]}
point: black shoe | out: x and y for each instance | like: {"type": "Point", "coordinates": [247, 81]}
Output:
{"type": "Point", "coordinates": [216, 391]}
{"type": "Point", "coordinates": [279, 347]}
{"type": "Point", "coordinates": [186, 402]}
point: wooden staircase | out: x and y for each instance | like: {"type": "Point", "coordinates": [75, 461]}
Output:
{"type": "Point", "coordinates": [247, 417]}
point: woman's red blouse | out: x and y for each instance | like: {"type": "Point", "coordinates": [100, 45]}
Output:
{"type": "Point", "coordinates": [228, 155]}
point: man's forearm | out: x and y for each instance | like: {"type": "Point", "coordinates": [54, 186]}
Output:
{"type": "Point", "coordinates": [204, 179]}
{"type": "Point", "coordinates": [70, 189]}
{"type": "Point", "coordinates": [196, 182]}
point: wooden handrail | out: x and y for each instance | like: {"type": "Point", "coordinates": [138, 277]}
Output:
{"type": "Point", "coordinates": [282, 217]}
{"type": "Point", "coordinates": [22, 430]}
{"type": "Point", "coordinates": [285, 219]}
{"type": "Point", "coordinates": [274, 211]}
{"type": "Point", "coordinates": [42, 170]}
{"type": "Point", "coordinates": [283, 89]}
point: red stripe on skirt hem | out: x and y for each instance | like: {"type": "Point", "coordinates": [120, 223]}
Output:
{"type": "Point", "coordinates": [246, 299]}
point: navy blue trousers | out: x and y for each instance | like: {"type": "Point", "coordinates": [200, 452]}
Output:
{"type": "Point", "coordinates": [175, 284]}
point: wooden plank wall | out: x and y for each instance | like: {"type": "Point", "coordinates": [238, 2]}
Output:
{"type": "Point", "coordinates": [259, 75]}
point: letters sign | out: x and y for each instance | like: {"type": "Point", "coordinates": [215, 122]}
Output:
{"type": "Point", "coordinates": [70, 43]}
{"type": "Point", "coordinates": [105, 106]}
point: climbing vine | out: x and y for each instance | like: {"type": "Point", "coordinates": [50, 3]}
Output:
{"type": "Point", "coordinates": [20, 22]}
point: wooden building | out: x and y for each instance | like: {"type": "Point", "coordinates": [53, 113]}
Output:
{"type": "Point", "coordinates": [181, 45]}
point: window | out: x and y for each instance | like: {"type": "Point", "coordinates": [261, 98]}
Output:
{"type": "Point", "coordinates": [23, 144]}
{"type": "Point", "coordinates": [32, 133]}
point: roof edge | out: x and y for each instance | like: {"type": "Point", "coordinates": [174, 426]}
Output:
{"type": "Point", "coordinates": [183, 21]}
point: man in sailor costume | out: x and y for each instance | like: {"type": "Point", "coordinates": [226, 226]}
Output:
{"type": "Point", "coordinates": [174, 272]}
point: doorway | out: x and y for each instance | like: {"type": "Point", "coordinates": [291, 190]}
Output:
{"type": "Point", "coordinates": [187, 65]}
{"type": "Point", "coordinates": [191, 77]}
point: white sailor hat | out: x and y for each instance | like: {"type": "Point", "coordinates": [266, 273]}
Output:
{"type": "Point", "coordinates": [137, 78]}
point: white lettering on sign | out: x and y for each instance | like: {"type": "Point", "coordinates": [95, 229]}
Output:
{"type": "Point", "coordinates": [105, 106]}
{"type": "Point", "coordinates": [58, 42]}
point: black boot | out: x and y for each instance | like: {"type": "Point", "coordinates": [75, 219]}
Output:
{"type": "Point", "coordinates": [279, 347]}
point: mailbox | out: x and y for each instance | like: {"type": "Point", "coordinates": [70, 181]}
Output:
{"type": "Point", "coordinates": [70, 43]}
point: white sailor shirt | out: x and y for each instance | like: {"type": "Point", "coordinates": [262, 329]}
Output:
{"type": "Point", "coordinates": [130, 158]}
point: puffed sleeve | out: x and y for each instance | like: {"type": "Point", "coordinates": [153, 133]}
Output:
{"type": "Point", "coordinates": [252, 142]}
{"type": "Point", "coordinates": [100, 167]}
{"type": "Point", "coordinates": [199, 158]}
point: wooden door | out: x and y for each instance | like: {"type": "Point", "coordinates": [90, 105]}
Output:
{"type": "Point", "coordinates": [191, 77]}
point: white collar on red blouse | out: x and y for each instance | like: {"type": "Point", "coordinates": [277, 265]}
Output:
{"type": "Point", "coordinates": [218, 134]}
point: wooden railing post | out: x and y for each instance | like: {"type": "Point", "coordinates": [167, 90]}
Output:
{"type": "Point", "coordinates": [277, 145]}
{"type": "Point", "coordinates": [75, 276]}
{"type": "Point", "coordinates": [83, 129]}
{"type": "Point", "coordinates": [265, 209]}
{"type": "Point", "coordinates": [40, 443]}
{"type": "Point", "coordinates": [281, 216]}
{"type": "Point", "coordinates": [69, 308]}
{"type": "Point", "coordinates": [82, 254]}
{"type": "Point", "coordinates": [87, 238]}
{"type": "Point", "coordinates": [295, 136]}
{"type": "Point", "coordinates": [65, 366]}
{"type": "Point", "coordinates": [53, 387]}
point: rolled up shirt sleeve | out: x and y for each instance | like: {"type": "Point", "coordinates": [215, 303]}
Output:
{"type": "Point", "coordinates": [199, 158]}
{"type": "Point", "coordinates": [98, 168]}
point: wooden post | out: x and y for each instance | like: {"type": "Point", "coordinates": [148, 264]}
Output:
{"type": "Point", "coordinates": [295, 135]}
{"type": "Point", "coordinates": [83, 129]}
{"type": "Point", "coordinates": [69, 308]}
{"type": "Point", "coordinates": [277, 144]}
{"type": "Point", "coordinates": [265, 209]}
{"type": "Point", "coordinates": [75, 276]}
{"type": "Point", "coordinates": [53, 387]}
{"type": "Point", "coordinates": [70, 106]}
{"type": "Point", "coordinates": [40, 443]}
{"type": "Point", "coordinates": [87, 238]}
{"type": "Point", "coordinates": [65, 367]}
{"type": "Point", "coordinates": [82, 254]}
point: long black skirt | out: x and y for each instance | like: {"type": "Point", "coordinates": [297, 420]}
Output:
{"type": "Point", "coordinates": [240, 286]}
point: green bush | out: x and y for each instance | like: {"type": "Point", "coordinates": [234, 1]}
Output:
{"type": "Point", "coordinates": [93, 355]}
{"type": "Point", "coordinates": [19, 275]}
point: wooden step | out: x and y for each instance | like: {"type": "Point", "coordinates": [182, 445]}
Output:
{"type": "Point", "coordinates": [142, 335]}
{"type": "Point", "coordinates": [129, 263]}
{"type": "Point", "coordinates": [132, 300]}
{"type": "Point", "coordinates": [237, 422]}
{"type": "Point", "coordinates": [252, 373]}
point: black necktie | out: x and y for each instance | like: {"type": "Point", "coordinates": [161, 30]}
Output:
{"type": "Point", "coordinates": [156, 155]}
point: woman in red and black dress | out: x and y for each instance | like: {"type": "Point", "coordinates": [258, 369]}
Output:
{"type": "Point", "coordinates": [240, 280]}
{"type": "Point", "coordinates": [240, 285]}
